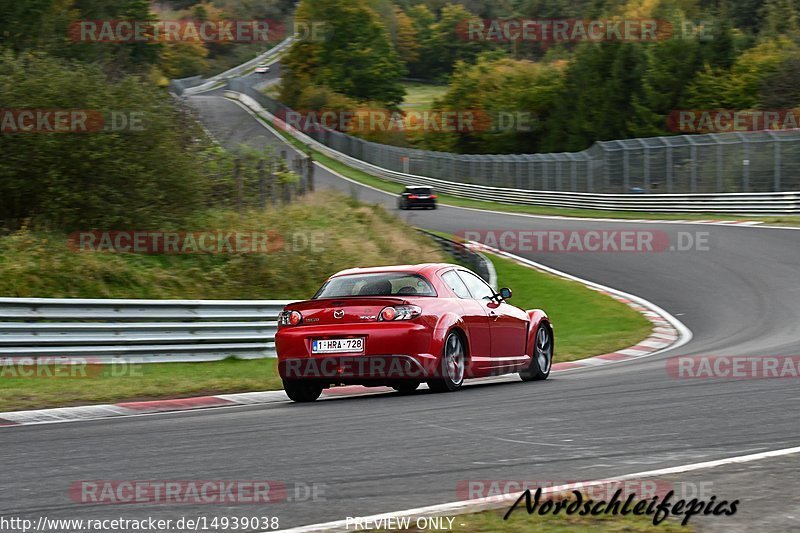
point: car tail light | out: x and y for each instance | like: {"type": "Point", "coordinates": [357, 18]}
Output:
{"type": "Point", "coordinates": [413, 197]}
{"type": "Point", "coordinates": [400, 312]}
{"type": "Point", "coordinates": [434, 197]}
{"type": "Point", "coordinates": [290, 318]}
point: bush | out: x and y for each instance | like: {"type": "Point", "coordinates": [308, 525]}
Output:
{"type": "Point", "coordinates": [144, 176]}
{"type": "Point", "coordinates": [346, 233]}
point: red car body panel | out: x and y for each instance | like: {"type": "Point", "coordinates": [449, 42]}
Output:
{"type": "Point", "coordinates": [498, 336]}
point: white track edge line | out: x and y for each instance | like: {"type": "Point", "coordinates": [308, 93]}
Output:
{"type": "Point", "coordinates": [496, 502]}
{"type": "Point", "coordinates": [685, 335]}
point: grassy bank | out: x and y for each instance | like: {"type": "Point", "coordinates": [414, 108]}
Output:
{"type": "Point", "coordinates": [133, 382]}
{"type": "Point", "coordinates": [392, 187]}
{"type": "Point", "coordinates": [421, 96]}
{"type": "Point", "coordinates": [308, 241]}
{"type": "Point", "coordinates": [586, 323]}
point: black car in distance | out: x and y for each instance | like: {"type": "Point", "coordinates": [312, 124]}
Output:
{"type": "Point", "coordinates": [417, 196]}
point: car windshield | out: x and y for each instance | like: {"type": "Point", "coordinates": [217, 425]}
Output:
{"type": "Point", "coordinates": [381, 284]}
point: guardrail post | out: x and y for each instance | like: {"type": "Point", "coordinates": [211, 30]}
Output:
{"type": "Point", "coordinates": [574, 175]}
{"type": "Point", "coordinates": [271, 188]}
{"type": "Point", "coordinates": [668, 156]}
{"type": "Point", "coordinates": [745, 167]}
{"type": "Point", "coordinates": [545, 177]}
{"type": "Point", "coordinates": [626, 171]}
{"type": "Point", "coordinates": [720, 184]}
{"type": "Point", "coordinates": [310, 172]}
{"type": "Point", "coordinates": [693, 184]}
{"type": "Point", "coordinates": [558, 176]}
{"type": "Point", "coordinates": [777, 177]}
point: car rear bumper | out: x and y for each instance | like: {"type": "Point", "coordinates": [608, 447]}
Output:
{"type": "Point", "coordinates": [393, 351]}
{"type": "Point", "coordinates": [360, 369]}
{"type": "Point", "coordinates": [421, 203]}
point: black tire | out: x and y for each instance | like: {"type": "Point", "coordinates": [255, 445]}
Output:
{"type": "Point", "coordinates": [435, 207]}
{"type": "Point", "coordinates": [301, 391]}
{"type": "Point", "coordinates": [452, 367]}
{"type": "Point", "coordinates": [406, 387]}
{"type": "Point", "coordinates": [542, 361]}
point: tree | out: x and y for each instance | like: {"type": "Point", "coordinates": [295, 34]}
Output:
{"type": "Point", "coordinates": [510, 101]}
{"type": "Point", "coordinates": [405, 38]}
{"type": "Point", "coordinates": [422, 20]}
{"type": "Point", "coordinates": [140, 174]}
{"type": "Point", "coordinates": [355, 57]}
{"type": "Point", "coordinates": [448, 42]}
{"type": "Point", "coordinates": [184, 59]}
{"type": "Point", "coordinates": [118, 59]}
{"type": "Point", "coordinates": [780, 18]}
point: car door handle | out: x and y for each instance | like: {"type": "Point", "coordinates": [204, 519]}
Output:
{"type": "Point", "coordinates": [493, 315]}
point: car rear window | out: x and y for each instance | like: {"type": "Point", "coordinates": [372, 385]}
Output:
{"type": "Point", "coordinates": [380, 284]}
{"type": "Point", "coordinates": [423, 191]}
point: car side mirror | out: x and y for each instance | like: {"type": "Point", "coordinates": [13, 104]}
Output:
{"type": "Point", "coordinates": [505, 293]}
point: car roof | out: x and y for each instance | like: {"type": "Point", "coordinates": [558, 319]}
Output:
{"type": "Point", "coordinates": [424, 269]}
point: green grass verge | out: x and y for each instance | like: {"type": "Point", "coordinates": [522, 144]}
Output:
{"type": "Point", "coordinates": [421, 96]}
{"type": "Point", "coordinates": [586, 323]}
{"type": "Point", "coordinates": [97, 384]}
{"type": "Point", "coordinates": [392, 187]}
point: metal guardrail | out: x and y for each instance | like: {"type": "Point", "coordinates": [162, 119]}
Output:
{"type": "Point", "coordinates": [476, 261]}
{"type": "Point", "coordinates": [146, 331]}
{"type": "Point", "coordinates": [781, 203]}
{"type": "Point", "coordinates": [196, 84]}
{"type": "Point", "coordinates": [738, 162]}
{"type": "Point", "coordinates": [156, 331]}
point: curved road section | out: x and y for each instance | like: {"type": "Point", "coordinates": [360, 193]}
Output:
{"type": "Point", "coordinates": [738, 292]}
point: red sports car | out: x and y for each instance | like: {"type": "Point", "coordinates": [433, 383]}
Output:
{"type": "Point", "coordinates": [404, 325]}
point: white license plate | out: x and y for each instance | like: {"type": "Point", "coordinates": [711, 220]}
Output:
{"type": "Point", "coordinates": [338, 345]}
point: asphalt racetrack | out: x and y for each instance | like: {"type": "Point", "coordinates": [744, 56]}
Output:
{"type": "Point", "coordinates": [384, 452]}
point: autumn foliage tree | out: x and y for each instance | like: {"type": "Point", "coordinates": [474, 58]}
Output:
{"type": "Point", "coordinates": [354, 57]}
